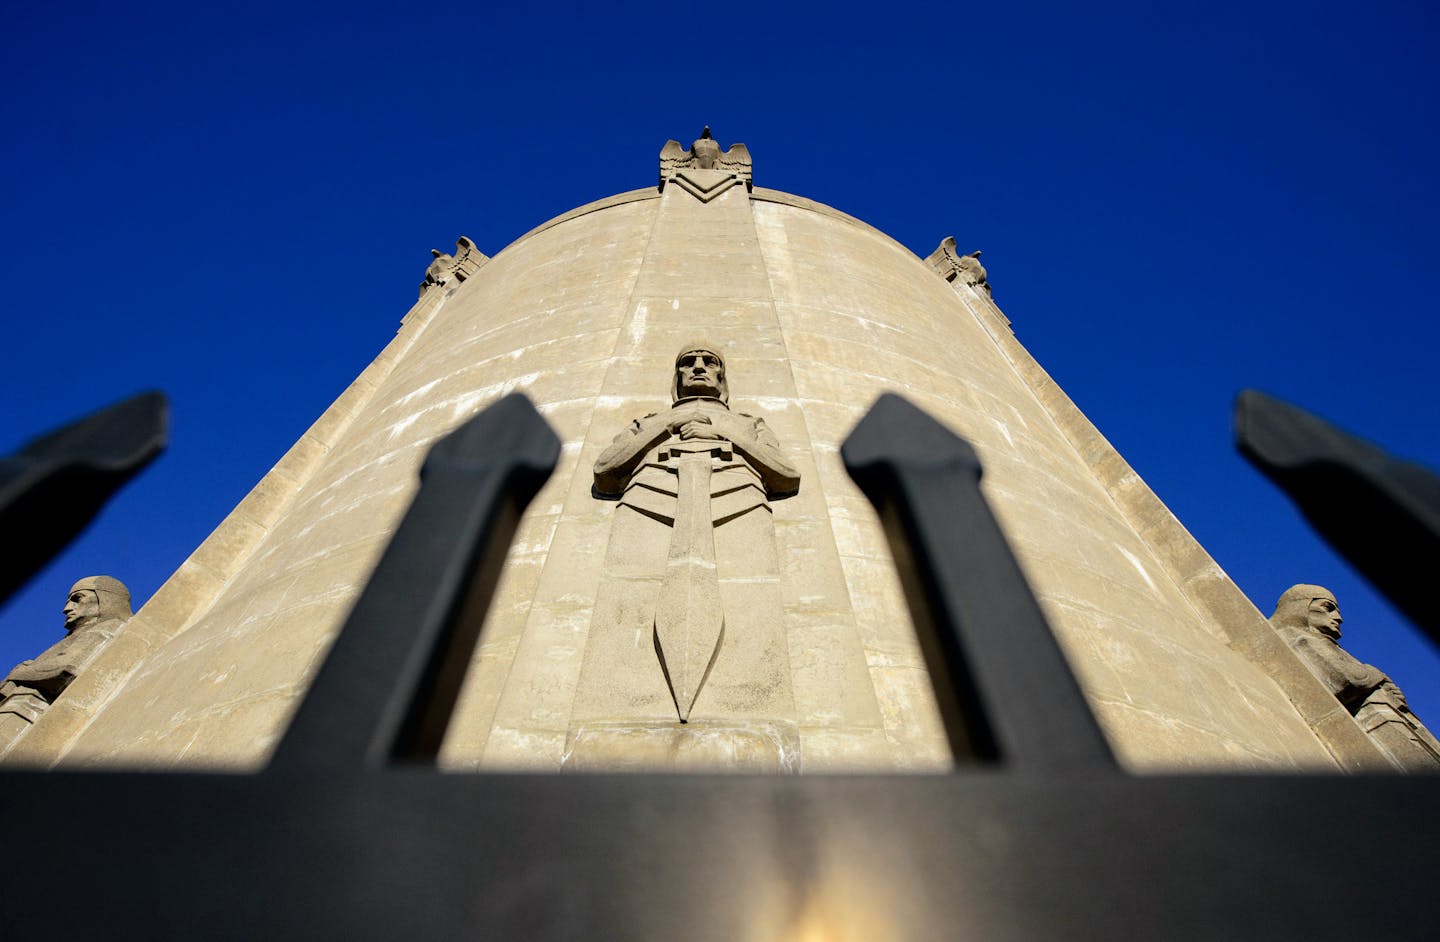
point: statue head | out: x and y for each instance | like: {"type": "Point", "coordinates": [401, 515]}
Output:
{"type": "Point", "coordinates": [95, 599]}
{"type": "Point", "coordinates": [1308, 607]}
{"type": "Point", "coordinates": [700, 373]}
{"type": "Point", "coordinates": [705, 150]}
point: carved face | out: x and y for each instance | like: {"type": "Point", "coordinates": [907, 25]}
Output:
{"type": "Point", "coordinates": [699, 373]}
{"type": "Point", "coordinates": [1324, 616]}
{"type": "Point", "coordinates": [81, 609]}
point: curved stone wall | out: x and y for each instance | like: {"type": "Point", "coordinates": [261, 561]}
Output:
{"type": "Point", "coordinates": [817, 314]}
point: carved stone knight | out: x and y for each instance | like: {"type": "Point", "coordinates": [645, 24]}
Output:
{"type": "Point", "coordinates": [699, 419]}
{"type": "Point", "coordinates": [1308, 618]}
{"type": "Point", "coordinates": [693, 580]}
{"type": "Point", "coordinates": [95, 609]}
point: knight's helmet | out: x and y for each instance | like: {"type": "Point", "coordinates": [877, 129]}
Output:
{"type": "Point", "coordinates": [1292, 609]}
{"type": "Point", "coordinates": [114, 597]}
{"type": "Point", "coordinates": [699, 346]}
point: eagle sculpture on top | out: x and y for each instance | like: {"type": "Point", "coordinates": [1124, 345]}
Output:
{"type": "Point", "coordinates": [705, 154]}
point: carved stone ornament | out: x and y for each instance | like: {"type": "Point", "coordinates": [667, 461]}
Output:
{"type": "Point", "coordinates": [1308, 618]}
{"type": "Point", "coordinates": [446, 268]}
{"type": "Point", "coordinates": [95, 609]}
{"type": "Point", "coordinates": [953, 267]}
{"type": "Point", "coordinates": [704, 171]}
{"type": "Point", "coordinates": [693, 470]}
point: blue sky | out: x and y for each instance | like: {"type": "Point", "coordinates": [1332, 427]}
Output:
{"type": "Point", "coordinates": [1175, 202]}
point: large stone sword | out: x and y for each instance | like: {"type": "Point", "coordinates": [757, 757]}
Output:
{"type": "Point", "coordinates": [688, 617]}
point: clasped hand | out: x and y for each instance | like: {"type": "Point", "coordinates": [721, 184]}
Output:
{"type": "Point", "coordinates": [695, 426]}
{"type": "Point", "coordinates": [691, 427]}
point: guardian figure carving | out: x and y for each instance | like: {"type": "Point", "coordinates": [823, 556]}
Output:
{"type": "Point", "coordinates": [1308, 618]}
{"type": "Point", "coordinates": [694, 468]}
{"type": "Point", "coordinates": [94, 610]}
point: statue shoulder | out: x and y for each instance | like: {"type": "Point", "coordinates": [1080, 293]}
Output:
{"type": "Point", "coordinates": [636, 425]}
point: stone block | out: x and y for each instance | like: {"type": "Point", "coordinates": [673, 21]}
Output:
{"type": "Point", "coordinates": [831, 680]}
{"type": "Point", "coordinates": [523, 750]}
{"type": "Point", "coordinates": [830, 750]}
{"type": "Point", "coordinates": [909, 710]}
{"type": "Point", "coordinates": [762, 747]}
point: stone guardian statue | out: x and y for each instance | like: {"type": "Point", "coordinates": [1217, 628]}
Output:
{"type": "Point", "coordinates": [695, 469]}
{"type": "Point", "coordinates": [1308, 618]}
{"type": "Point", "coordinates": [95, 609]}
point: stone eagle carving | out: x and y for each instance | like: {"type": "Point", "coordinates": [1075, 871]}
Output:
{"type": "Point", "coordinates": [705, 154]}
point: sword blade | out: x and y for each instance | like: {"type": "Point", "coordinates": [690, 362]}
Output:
{"type": "Point", "coordinates": [688, 616]}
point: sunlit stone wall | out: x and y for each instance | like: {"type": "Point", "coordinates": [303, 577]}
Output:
{"type": "Point", "coordinates": [817, 314]}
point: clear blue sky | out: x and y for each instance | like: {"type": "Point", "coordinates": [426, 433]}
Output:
{"type": "Point", "coordinates": [1176, 201]}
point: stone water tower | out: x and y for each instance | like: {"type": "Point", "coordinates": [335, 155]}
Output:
{"type": "Point", "coordinates": [700, 584]}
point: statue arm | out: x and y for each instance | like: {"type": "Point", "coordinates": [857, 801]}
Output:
{"type": "Point", "coordinates": [750, 436]}
{"type": "Point", "coordinates": [1388, 693]}
{"type": "Point", "coordinates": [41, 669]}
{"type": "Point", "coordinates": [48, 674]}
{"type": "Point", "coordinates": [53, 671]}
{"type": "Point", "coordinates": [616, 464]}
{"type": "Point", "coordinates": [1350, 680]}
{"type": "Point", "coordinates": [753, 439]}
{"type": "Point", "coordinates": [1363, 679]}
